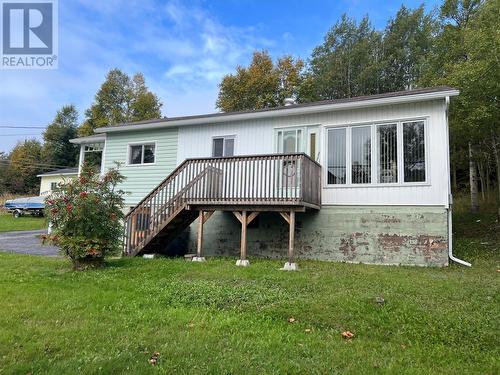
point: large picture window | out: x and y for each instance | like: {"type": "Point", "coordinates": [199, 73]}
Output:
{"type": "Point", "coordinates": [392, 153]}
{"type": "Point", "coordinates": [414, 151]}
{"type": "Point", "coordinates": [387, 158]}
{"type": "Point", "coordinates": [361, 153]}
{"type": "Point", "coordinates": [337, 156]}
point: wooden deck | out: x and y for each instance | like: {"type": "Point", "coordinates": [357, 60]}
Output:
{"type": "Point", "coordinates": [245, 185]}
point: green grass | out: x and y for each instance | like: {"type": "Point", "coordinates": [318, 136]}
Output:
{"type": "Point", "coordinates": [216, 318]}
{"type": "Point", "coordinates": [9, 223]}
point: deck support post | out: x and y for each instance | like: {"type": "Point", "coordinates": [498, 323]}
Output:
{"type": "Point", "coordinates": [290, 219]}
{"type": "Point", "coordinates": [202, 218]}
{"type": "Point", "coordinates": [244, 219]}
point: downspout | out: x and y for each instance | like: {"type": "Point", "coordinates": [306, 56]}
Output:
{"type": "Point", "coordinates": [450, 197]}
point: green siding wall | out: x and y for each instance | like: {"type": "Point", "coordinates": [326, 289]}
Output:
{"type": "Point", "coordinates": [141, 179]}
{"type": "Point", "coordinates": [365, 234]}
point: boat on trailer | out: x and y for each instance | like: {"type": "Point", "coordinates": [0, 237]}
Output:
{"type": "Point", "coordinates": [26, 206]}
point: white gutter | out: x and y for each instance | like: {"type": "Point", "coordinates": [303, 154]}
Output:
{"type": "Point", "coordinates": [450, 197]}
{"type": "Point", "coordinates": [287, 111]}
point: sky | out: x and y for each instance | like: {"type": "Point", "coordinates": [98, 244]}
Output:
{"type": "Point", "coordinates": [183, 48]}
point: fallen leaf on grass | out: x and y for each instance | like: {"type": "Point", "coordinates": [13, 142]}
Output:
{"type": "Point", "coordinates": [308, 330]}
{"type": "Point", "coordinates": [154, 358]}
{"type": "Point", "coordinates": [347, 335]}
{"type": "Point", "coordinates": [291, 320]}
{"type": "Point", "coordinates": [190, 325]}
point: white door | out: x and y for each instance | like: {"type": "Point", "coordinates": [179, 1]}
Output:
{"type": "Point", "coordinates": [312, 142]}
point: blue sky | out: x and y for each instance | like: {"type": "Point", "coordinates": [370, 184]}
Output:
{"type": "Point", "coordinates": [183, 49]}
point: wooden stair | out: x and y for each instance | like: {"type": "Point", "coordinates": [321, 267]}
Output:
{"type": "Point", "coordinates": [260, 182]}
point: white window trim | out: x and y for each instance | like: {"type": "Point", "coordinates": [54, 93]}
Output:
{"type": "Point", "coordinates": [325, 156]}
{"type": "Point", "coordinates": [224, 137]}
{"type": "Point", "coordinates": [374, 166]}
{"type": "Point", "coordinates": [141, 143]}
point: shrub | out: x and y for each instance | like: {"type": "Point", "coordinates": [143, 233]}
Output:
{"type": "Point", "coordinates": [86, 217]}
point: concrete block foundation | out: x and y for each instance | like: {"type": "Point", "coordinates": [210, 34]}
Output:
{"type": "Point", "coordinates": [409, 235]}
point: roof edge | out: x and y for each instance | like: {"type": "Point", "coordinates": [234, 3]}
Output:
{"type": "Point", "coordinates": [88, 139]}
{"type": "Point", "coordinates": [323, 106]}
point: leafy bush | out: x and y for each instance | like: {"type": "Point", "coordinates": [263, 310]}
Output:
{"type": "Point", "coordinates": [85, 214]}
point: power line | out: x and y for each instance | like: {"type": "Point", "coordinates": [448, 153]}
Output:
{"type": "Point", "coordinates": [30, 163]}
{"type": "Point", "coordinates": [33, 164]}
{"type": "Point", "coordinates": [19, 135]}
{"type": "Point", "coordinates": [22, 127]}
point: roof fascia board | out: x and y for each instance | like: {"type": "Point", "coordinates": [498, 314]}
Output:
{"type": "Point", "coordinates": [56, 174]}
{"type": "Point", "coordinates": [90, 139]}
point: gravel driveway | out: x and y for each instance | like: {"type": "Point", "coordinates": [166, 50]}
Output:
{"type": "Point", "coordinates": [26, 242]}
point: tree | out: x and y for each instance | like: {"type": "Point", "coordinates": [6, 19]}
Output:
{"type": "Point", "coordinates": [57, 150]}
{"type": "Point", "coordinates": [4, 165]}
{"type": "Point", "coordinates": [263, 84]}
{"type": "Point", "coordinates": [465, 56]}
{"type": "Point", "coordinates": [24, 166]}
{"type": "Point", "coordinates": [119, 100]}
{"type": "Point", "coordinates": [144, 105]}
{"type": "Point", "coordinates": [85, 215]}
{"type": "Point", "coordinates": [347, 64]}
{"type": "Point", "coordinates": [407, 41]}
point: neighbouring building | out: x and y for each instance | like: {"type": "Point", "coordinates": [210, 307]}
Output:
{"type": "Point", "coordinates": [49, 181]}
{"type": "Point", "coordinates": [364, 179]}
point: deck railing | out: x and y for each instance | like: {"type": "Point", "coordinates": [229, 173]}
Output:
{"type": "Point", "coordinates": [256, 180]}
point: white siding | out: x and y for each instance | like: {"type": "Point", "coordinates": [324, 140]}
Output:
{"type": "Point", "coordinates": [257, 137]}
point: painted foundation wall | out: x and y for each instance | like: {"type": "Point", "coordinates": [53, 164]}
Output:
{"type": "Point", "coordinates": [378, 235]}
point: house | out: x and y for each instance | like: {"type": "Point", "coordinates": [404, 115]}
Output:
{"type": "Point", "coordinates": [364, 179]}
{"type": "Point", "coordinates": [50, 180]}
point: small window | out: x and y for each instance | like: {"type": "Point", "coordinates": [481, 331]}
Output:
{"type": "Point", "coordinates": [53, 186]}
{"type": "Point", "coordinates": [223, 146]}
{"type": "Point", "coordinates": [414, 151]}
{"type": "Point", "coordinates": [337, 156]}
{"type": "Point", "coordinates": [142, 154]}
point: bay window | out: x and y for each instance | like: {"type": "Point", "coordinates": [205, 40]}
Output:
{"type": "Point", "coordinates": [387, 153]}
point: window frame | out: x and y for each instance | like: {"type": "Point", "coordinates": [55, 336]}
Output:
{"type": "Point", "coordinates": [347, 155]}
{"type": "Point", "coordinates": [142, 143]}
{"type": "Point", "coordinates": [224, 138]}
{"type": "Point", "coordinates": [374, 153]}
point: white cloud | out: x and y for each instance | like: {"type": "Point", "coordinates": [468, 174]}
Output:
{"type": "Point", "coordinates": [183, 51]}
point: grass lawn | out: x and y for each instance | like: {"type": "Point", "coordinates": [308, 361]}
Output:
{"type": "Point", "coordinates": [9, 223]}
{"type": "Point", "coordinates": [217, 318]}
